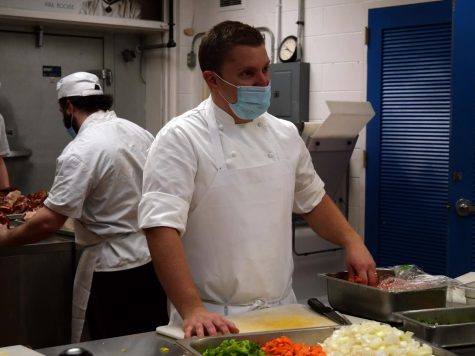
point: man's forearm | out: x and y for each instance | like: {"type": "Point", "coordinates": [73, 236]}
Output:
{"type": "Point", "coordinates": [41, 226]}
{"type": "Point", "coordinates": [329, 223]}
{"type": "Point", "coordinates": [170, 264]}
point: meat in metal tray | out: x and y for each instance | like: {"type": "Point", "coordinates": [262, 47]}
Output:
{"type": "Point", "coordinates": [310, 336]}
{"type": "Point", "coordinates": [375, 303]}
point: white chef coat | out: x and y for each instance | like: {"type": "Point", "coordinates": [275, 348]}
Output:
{"type": "Point", "coordinates": [98, 182]}
{"type": "Point", "coordinates": [180, 166]}
{"type": "Point", "coordinates": [190, 172]}
{"type": "Point", "coordinates": [4, 147]}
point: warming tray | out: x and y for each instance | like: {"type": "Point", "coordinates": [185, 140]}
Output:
{"type": "Point", "coordinates": [455, 325]}
{"type": "Point", "coordinates": [310, 336]}
{"type": "Point", "coordinates": [375, 303]}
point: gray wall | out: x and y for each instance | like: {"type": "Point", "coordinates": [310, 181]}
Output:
{"type": "Point", "coordinates": [28, 99]}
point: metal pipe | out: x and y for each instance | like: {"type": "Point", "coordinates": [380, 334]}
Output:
{"type": "Point", "coordinates": [278, 26]}
{"type": "Point", "coordinates": [171, 42]}
{"type": "Point", "coordinates": [191, 56]}
{"type": "Point", "coordinates": [300, 24]}
{"type": "Point", "coordinates": [272, 40]}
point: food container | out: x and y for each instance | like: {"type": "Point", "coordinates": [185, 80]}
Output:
{"type": "Point", "coordinates": [311, 336]}
{"type": "Point", "coordinates": [375, 303]}
{"type": "Point", "coordinates": [444, 327]}
{"type": "Point", "coordinates": [469, 292]}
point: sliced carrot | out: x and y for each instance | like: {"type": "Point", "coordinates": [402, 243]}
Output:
{"type": "Point", "coordinates": [283, 346]}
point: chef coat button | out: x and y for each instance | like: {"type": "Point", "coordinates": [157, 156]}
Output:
{"type": "Point", "coordinates": [259, 124]}
{"type": "Point", "coordinates": [220, 126]}
{"type": "Point", "coordinates": [270, 155]}
{"type": "Point", "coordinates": [233, 154]}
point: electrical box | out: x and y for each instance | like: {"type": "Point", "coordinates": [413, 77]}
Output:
{"type": "Point", "coordinates": [290, 85]}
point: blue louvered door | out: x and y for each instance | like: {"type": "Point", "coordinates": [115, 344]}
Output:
{"type": "Point", "coordinates": [418, 165]}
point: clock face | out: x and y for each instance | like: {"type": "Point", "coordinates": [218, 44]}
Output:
{"type": "Point", "coordinates": [288, 49]}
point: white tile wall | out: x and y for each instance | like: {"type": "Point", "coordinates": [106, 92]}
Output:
{"type": "Point", "coordinates": [345, 18]}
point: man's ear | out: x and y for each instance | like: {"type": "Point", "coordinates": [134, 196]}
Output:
{"type": "Point", "coordinates": [69, 106]}
{"type": "Point", "coordinates": [210, 79]}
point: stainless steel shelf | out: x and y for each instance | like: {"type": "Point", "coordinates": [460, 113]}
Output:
{"type": "Point", "coordinates": [19, 153]}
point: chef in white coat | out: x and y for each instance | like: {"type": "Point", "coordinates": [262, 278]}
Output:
{"type": "Point", "coordinates": [98, 183]}
{"type": "Point", "coordinates": [220, 185]}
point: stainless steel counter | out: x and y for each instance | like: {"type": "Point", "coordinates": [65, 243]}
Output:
{"type": "Point", "coordinates": [145, 344]}
{"type": "Point", "coordinates": [36, 291]}
{"type": "Point", "coordinates": [149, 344]}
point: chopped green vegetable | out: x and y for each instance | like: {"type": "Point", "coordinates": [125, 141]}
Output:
{"type": "Point", "coordinates": [233, 347]}
{"type": "Point", "coordinates": [123, 349]}
{"type": "Point", "coordinates": [164, 350]}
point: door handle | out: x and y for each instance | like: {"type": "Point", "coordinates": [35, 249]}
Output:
{"type": "Point", "coordinates": [464, 207]}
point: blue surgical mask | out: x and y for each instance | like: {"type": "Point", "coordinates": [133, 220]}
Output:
{"type": "Point", "coordinates": [69, 125]}
{"type": "Point", "coordinates": [252, 101]}
{"type": "Point", "coordinates": [71, 132]}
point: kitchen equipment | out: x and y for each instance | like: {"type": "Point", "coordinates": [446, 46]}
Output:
{"type": "Point", "coordinates": [444, 327]}
{"type": "Point", "coordinates": [76, 351]}
{"type": "Point", "coordinates": [378, 304]}
{"type": "Point", "coordinates": [311, 336]}
{"type": "Point", "coordinates": [469, 290]}
{"type": "Point", "coordinates": [319, 307]}
{"type": "Point", "coordinates": [284, 317]}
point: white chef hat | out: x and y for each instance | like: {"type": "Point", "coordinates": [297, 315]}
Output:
{"type": "Point", "coordinates": [79, 84]}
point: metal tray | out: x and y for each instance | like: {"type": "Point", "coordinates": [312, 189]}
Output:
{"type": "Point", "coordinates": [378, 304]}
{"type": "Point", "coordinates": [311, 336]}
{"type": "Point", "coordinates": [455, 325]}
{"type": "Point", "coordinates": [469, 289]}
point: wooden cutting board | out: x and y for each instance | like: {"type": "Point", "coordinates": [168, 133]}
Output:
{"type": "Point", "coordinates": [291, 316]}
{"type": "Point", "coordinates": [18, 350]}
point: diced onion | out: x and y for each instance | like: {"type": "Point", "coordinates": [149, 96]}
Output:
{"type": "Point", "coordinates": [371, 338]}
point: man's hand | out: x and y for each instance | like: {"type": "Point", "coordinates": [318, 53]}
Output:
{"type": "Point", "coordinates": [359, 262]}
{"type": "Point", "coordinates": [327, 221]}
{"type": "Point", "coordinates": [204, 323]}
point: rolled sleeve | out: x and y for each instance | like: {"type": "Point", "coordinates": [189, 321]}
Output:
{"type": "Point", "coordinates": [308, 198]}
{"type": "Point", "coordinates": [168, 182]}
{"type": "Point", "coordinates": [70, 187]}
{"type": "Point", "coordinates": [171, 212]}
{"type": "Point", "coordinates": [309, 187]}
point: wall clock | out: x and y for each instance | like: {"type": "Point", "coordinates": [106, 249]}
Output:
{"type": "Point", "coordinates": [288, 49]}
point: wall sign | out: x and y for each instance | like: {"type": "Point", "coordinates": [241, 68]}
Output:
{"type": "Point", "coordinates": [52, 71]}
{"type": "Point", "coordinates": [129, 9]}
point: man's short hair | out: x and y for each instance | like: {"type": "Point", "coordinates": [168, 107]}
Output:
{"type": "Point", "coordinates": [221, 39]}
{"type": "Point", "coordinates": [88, 104]}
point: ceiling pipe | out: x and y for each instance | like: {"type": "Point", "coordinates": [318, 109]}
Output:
{"type": "Point", "coordinates": [300, 25]}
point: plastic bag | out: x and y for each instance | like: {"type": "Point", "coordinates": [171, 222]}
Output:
{"type": "Point", "coordinates": [411, 277]}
